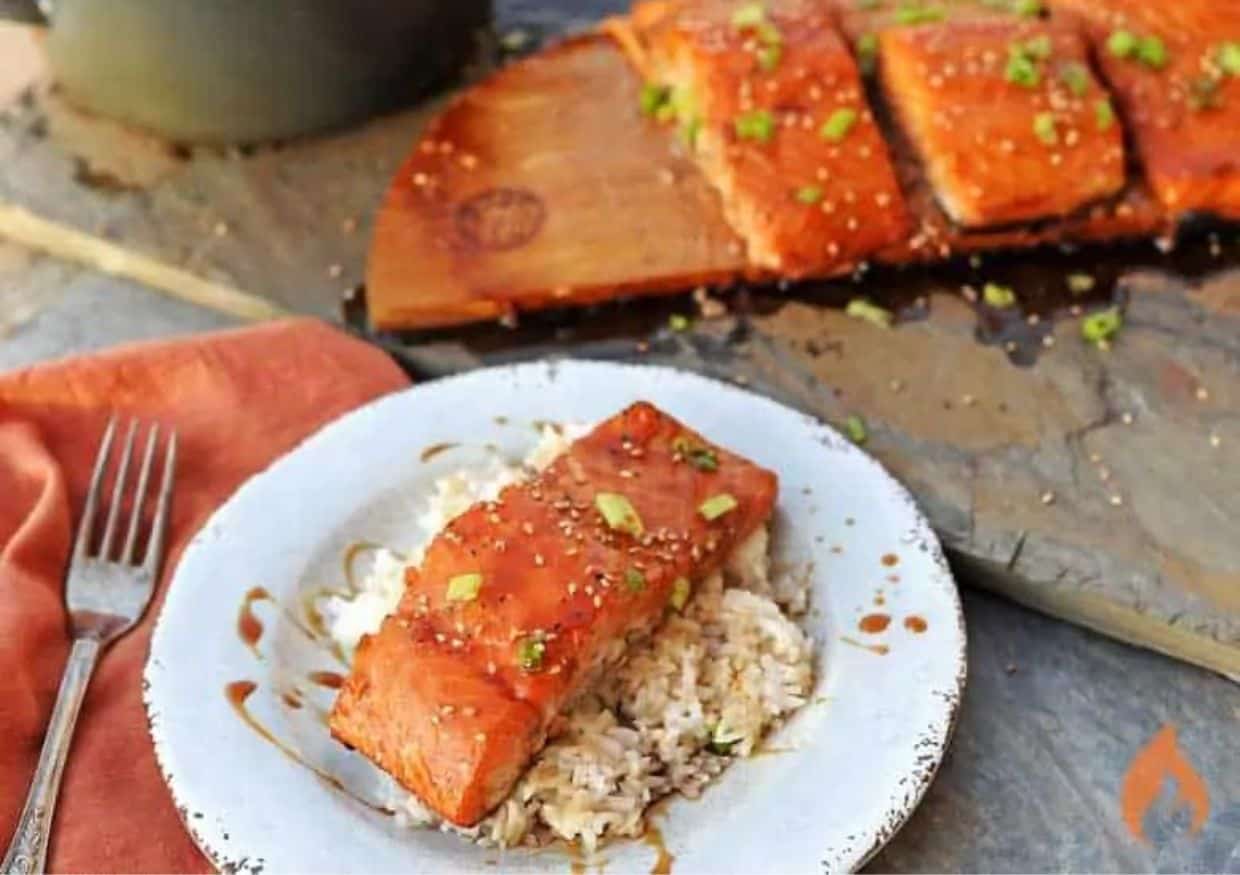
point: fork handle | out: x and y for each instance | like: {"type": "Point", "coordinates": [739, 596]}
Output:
{"type": "Point", "coordinates": [28, 851]}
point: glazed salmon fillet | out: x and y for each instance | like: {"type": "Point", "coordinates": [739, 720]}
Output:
{"type": "Point", "coordinates": [768, 98]}
{"type": "Point", "coordinates": [520, 603]}
{"type": "Point", "coordinates": [1008, 121]}
{"type": "Point", "coordinates": [1175, 68]}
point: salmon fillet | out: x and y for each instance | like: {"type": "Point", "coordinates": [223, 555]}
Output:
{"type": "Point", "coordinates": [1178, 89]}
{"type": "Point", "coordinates": [769, 101]}
{"type": "Point", "coordinates": [1004, 115]}
{"type": "Point", "coordinates": [521, 602]}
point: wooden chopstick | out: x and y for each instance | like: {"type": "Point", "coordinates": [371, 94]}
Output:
{"type": "Point", "coordinates": [61, 241]}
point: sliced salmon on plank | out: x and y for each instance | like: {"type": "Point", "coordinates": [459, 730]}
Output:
{"type": "Point", "coordinates": [1004, 115]}
{"type": "Point", "coordinates": [768, 98]}
{"type": "Point", "coordinates": [521, 602]}
{"type": "Point", "coordinates": [1175, 68]}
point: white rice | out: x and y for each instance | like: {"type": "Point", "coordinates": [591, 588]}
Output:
{"type": "Point", "coordinates": [700, 692]}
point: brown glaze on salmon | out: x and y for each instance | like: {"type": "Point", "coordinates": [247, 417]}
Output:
{"type": "Point", "coordinates": [454, 695]}
{"type": "Point", "coordinates": [1179, 102]}
{"type": "Point", "coordinates": [756, 95]}
{"type": "Point", "coordinates": [1002, 113]}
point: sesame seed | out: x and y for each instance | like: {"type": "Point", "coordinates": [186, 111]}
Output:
{"type": "Point", "coordinates": [490, 668]}
{"type": "Point", "coordinates": [1048, 498]}
{"type": "Point", "coordinates": [480, 737]}
{"type": "Point", "coordinates": [598, 601]}
{"type": "Point", "coordinates": [528, 528]}
{"type": "Point", "coordinates": [220, 229]}
{"type": "Point", "coordinates": [538, 560]}
{"type": "Point", "coordinates": [1117, 500]}
{"type": "Point", "coordinates": [434, 719]}
{"type": "Point", "coordinates": [1216, 441]}
{"type": "Point", "coordinates": [469, 711]}
{"type": "Point", "coordinates": [1203, 394]}
{"type": "Point", "coordinates": [968, 400]}
{"type": "Point", "coordinates": [447, 710]}
{"type": "Point", "coordinates": [1126, 418]}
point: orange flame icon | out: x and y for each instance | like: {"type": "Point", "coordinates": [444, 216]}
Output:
{"type": "Point", "coordinates": [1162, 758]}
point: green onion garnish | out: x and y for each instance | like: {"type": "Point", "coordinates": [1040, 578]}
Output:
{"type": "Point", "coordinates": [680, 593]}
{"type": "Point", "coordinates": [855, 428]}
{"type": "Point", "coordinates": [769, 56]}
{"type": "Point", "coordinates": [717, 505]}
{"type": "Point", "coordinates": [1228, 58]}
{"type": "Point", "coordinates": [749, 15]}
{"type": "Point", "coordinates": [1122, 44]}
{"type": "Point", "coordinates": [654, 97]}
{"type": "Point", "coordinates": [1104, 115]}
{"type": "Point", "coordinates": [1080, 283]}
{"type": "Point", "coordinates": [677, 322]}
{"type": "Point", "coordinates": [1074, 75]}
{"type": "Point", "coordinates": [809, 194]}
{"type": "Point", "coordinates": [530, 652]}
{"type": "Point", "coordinates": [867, 53]}
{"type": "Point", "coordinates": [860, 308]}
{"type": "Point", "coordinates": [1044, 128]}
{"type": "Point", "coordinates": [703, 459]}
{"type": "Point", "coordinates": [464, 587]}
{"type": "Point", "coordinates": [838, 124]}
{"type": "Point", "coordinates": [915, 13]}
{"type": "Point", "coordinates": [689, 131]}
{"type": "Point", "coordinates": [1027, 8]}
{"type": "Point", "coordinates": [1152, 52]}
{"type": "Point", "coordinates": [619, 513]}
{"type": "Point", "coordinates": [1038, 47]}
{"type": "Point", "coordinates": [1022, 70]}
{"type": "Point", "coordinates": [634, 580]}
{"type": "Point", "coordinates": [1098, 328]}
{"type": "Point", "coordinates": [757, 124]}
{"type": "Point", "coordinates": [997, 296]}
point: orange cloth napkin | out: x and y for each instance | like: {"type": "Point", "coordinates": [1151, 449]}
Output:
{"type": "Point", "coordinates": [238, 400]}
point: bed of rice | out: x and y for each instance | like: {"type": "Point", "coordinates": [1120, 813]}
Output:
{"type": "Point", "coordinates": [700, 692]}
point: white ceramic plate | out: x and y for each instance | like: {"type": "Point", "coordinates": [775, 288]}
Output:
{"type": "Point", "coordinates": [858, 759]}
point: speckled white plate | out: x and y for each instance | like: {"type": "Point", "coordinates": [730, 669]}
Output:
{"type": "Point", "coordinates": [856, 761]}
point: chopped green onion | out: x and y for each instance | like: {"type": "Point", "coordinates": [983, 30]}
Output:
{"type": "Point", "coordinates": [1152, 52]}
{"type": "Point", "coordinates": [717, 505]}
{"type": "Point", "coordinates": [854, 427]}
{"type": "Point", "coordinates": [1022, 70]}
{"type": "Point", "coordinates": [1080, 283]}
{"type": "Point", "coordinates": [1044, 128]}
{"type": "Point", "coordinates": [1039, 47]}
{"type": "Point", "coordinates": [768, 34]}
{"type": "Point", "coordinates": [1098, 328]}
{"type": "Point", "coordinates": [867, 53]}
{"type": "Point", "coordinates": [1027, 8]}
{"type": "Point", "coordinates": [530, 652]}
{"type": "Point", "coordinates": [722, 739]}
{"type": "Point", "coordinates": [654, 97]}
{"type": "Point", "coordinates": [769, 56]}
{"type": "Point", "coordinates": [749, 15]}
{"type": "Point", "coordinates": [703, 459]}
{"type": "Point", "coordinates": [1074, 75]}
{"type": "Point", "coordinates": [634, 580]}
{"type": "Point", "coordinates": [869, 4]}
{"type": "Point", "coordinates": [838, 124]}
{"type": "Point", "coordinates": [915, 13]}
{"type": "Point", "coordinates": [757, 124]}
{"type": "Point", "coordinates": [809, 194]}
{"type": "Point", "coordinates": [999, 297]}
{"type": "Point", "coordinates": [681, 446]}
{"type": "Point", "coordinates": [677, 322]}
{"type": "Point", "coordinates": [1228, 58]}
{"type": "Point", "coordinates": [689, 131]}
{"type": "Point", "coordinates": [680, 593]}
{"type": "Point", "coordinates": [619, 513]}
{"type": "Point", "coordinates": [720, 748]}
{"type": "Point", "coordinates": [1104, 115]}
{"type": "Point", "coordinates": [860, 308]}
{"type": "Point", "coordinates": [464, 587]}
{"type": "Point", "coordinates": [665, 112]}
{"type": "Point", "coordinates": [1122, 44]}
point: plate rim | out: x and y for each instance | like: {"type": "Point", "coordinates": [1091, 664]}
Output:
{"type": "Point", "coordinates": [936, 737]}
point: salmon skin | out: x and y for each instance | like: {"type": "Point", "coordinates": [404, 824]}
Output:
{"type": "Point", "coordinates": [519, 603]}
{"type": "Point", "coordinates": [768, 99]}
{"type": "Point", "coordinates": [1006, 116]}
{"type": "Point", "coordinates": [1175, 68]}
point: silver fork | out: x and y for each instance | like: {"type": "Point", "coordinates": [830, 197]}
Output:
{"type": "Point", "coordinates": [106, 592]}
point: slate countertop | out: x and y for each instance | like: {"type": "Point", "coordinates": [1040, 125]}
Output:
{"type": "Point", "coordinates": [1054, 718]}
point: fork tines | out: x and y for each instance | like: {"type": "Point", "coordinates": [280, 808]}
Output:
{"type": "Point", "coordinates": [136, 498]}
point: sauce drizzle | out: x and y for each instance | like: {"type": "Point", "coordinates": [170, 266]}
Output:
{"type": "Point", "coordinates": [880, 649]}
{"type": "Point", "coordinates": [249, 627]}
{"type": "Point", "coordinates": [237, 693]}
{"type": "Point", "coordinates": [330, 679]}
{"type": "Point", "coordinates": [653, 836]}
{"type": "Point", "coordinates": [890, 559]}
{"type": "Point", "coordinates": [873, 624]}
{"type": "Point", "coordinates": [435, 449]}
{"type": "Point", "coordinates": [915, 624]}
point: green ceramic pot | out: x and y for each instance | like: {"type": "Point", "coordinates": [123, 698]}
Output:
{"type": "Point", "coordinates": [242, 71]}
